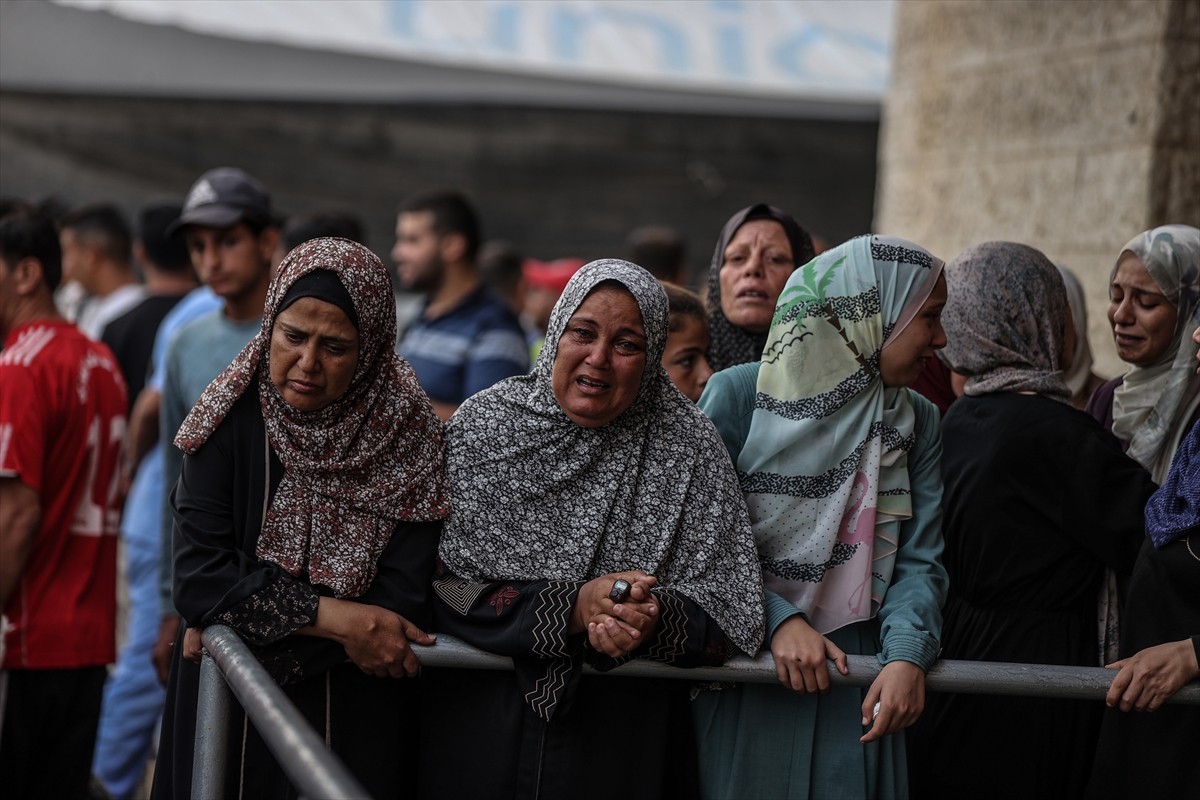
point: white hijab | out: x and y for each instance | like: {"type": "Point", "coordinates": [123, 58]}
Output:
{"type": "Point", "coordinates": [1152, 406]}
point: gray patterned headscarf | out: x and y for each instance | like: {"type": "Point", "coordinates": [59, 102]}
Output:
{"type": "Point", "coordinates": [534, 495]}
{"type": "Point", "coordinates": [1154, 403]}
{"type": "Point", "coordinates": [1006, 320]}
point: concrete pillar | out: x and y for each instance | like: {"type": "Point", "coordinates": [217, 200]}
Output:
{"type": "Point", "coordinates": [1069, 125]}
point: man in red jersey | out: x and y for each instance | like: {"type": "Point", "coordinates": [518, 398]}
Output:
{"type": "Point", "coordinates": [62, 418]}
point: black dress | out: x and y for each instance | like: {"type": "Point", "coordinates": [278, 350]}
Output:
{"type": "Point", "coordinates": [1038, 501]}
{"type": "Point", "coordinates": [373, 723]}
{"type": "Point", "coordinates": [1154, 754]}
{"type": "Point", "coordinates": [606, 736]}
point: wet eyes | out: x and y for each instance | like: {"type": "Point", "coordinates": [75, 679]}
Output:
{"type": "Point", "coordinates": [622, 346]}
{"type": "Point", "coordinates": [583, 334]}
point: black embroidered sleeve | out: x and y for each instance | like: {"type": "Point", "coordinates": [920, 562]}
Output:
{"type": "Point", "coordinates": [511, 618]}
{"type": "Point", "coordinates": [278, 609]}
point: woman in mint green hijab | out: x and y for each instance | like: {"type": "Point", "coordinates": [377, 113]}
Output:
{"type": "Point", "coordinates": [840, 464]}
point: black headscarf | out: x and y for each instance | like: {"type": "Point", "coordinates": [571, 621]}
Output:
{"type": "Point", "coordinates": [730, 344]}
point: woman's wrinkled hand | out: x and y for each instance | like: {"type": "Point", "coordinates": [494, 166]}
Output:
{"type": "Point", "coordinates": [800, 654]}
{"type": "Point", "coordinates": [900, 692]}
{"type": "Point", "coordinates": [376, 639]}
{"type": "Point", "coordinates": [616, 629]}
{"type": "Point", "coordinates": [1149, 677]}
{"type": "Point", "coordinates": [193, 648]}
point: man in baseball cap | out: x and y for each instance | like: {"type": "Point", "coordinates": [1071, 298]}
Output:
{"type": "Point", "coordinates": [231, 238]}
{"type": "Point", "coordinates": [223, 197]}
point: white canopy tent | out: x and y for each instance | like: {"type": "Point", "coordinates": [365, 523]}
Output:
{"type": "Point", "coordinates": [815, 58]}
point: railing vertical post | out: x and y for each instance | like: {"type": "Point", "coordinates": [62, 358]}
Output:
{"type": "Point", "coordinates": [212, 724]}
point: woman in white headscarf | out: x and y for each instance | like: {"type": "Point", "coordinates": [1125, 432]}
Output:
{"type": "Point", "coordinates": [840, 463]}
{"type": "Point", "coordinates": [1154, 305]}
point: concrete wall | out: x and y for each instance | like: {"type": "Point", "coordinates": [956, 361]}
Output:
{"type": "Point", "coordinates": [1069, 125]}
{"type": "Point", "coordinates": [556, 182]}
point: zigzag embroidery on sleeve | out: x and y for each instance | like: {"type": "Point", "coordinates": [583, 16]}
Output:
{"type": "Point", "coordinates": [672, 630]}
{"type": "Point", "coordinates": [549, 688]}
{"type": "Point", "coordinates": [553, 613]}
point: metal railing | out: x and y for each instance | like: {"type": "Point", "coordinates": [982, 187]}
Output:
{"type": "Point", "coordinates": [316, 772]}
{"type": "Point", "coordinates": [312, 769]}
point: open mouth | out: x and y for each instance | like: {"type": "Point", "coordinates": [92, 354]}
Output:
{"type": "Point", "coordinates": [752, 294]}
{"type": "Point", "coordinates": [590, 385]}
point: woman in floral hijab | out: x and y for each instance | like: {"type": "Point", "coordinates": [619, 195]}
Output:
{"type": "Point", "coordinates": [306, 519]}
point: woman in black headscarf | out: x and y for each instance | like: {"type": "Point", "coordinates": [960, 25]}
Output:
{"type": "Point", "coordinates": [590, 473]}
{"type": "Point", "coordinates": [306, 519]}
{"type": "Point", "coordinates": [757, 251]}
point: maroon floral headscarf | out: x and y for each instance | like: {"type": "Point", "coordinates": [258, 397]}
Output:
{"type": "Point", "coordinates": [371, 458]}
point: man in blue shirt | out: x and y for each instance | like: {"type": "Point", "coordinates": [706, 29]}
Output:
{"type": "Point", "coordinates": [465, 338]}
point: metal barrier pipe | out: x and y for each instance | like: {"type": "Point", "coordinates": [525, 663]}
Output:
{"type": "Point", "coordinates": [318, 773]}
{"type": "Point", "coordinates": [212, 721]}
{"type": "Point", "coordinates": [313, 770]}
{"type": "Point", "coordinates": [968, 677]}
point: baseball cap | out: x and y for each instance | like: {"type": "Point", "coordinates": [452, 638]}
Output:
{"type": "Point", "coordinates": [222, 197]}
{"type": "Point", "coordinates": [550, 275]}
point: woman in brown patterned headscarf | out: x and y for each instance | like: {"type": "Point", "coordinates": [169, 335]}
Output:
{"type": "Point", "coordinates": [307, 518]}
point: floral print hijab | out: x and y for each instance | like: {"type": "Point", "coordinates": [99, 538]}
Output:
{"type": "Point", "coordinates": [537, 496]}
{"type": "Point", "coordinates": [355, 468]}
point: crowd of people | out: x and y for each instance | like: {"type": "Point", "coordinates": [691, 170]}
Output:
{"type": "Point", "coordinates": [859, 449]}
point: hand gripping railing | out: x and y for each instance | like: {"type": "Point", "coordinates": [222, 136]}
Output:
{"type": "Point", "coordinates": [316, 772]}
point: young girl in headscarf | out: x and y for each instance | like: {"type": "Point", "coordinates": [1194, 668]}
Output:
{"type": "Point", "coordinates": [306, 519]}
{"type": "Point", "coordinates": [840, 466]}
{"type": "Point", "coordinates": [1039, 501]}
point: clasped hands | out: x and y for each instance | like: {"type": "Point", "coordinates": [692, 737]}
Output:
{"type": "Point", "coordinates": [616, 629]}
{"type": "Point", "coordinates": [800, 655]}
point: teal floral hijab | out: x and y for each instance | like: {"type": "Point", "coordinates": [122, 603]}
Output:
{"type": "Point", "coordinates": [825, 465]}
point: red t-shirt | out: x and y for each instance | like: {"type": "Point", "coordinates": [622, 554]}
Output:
{"type": "Point", "coordinates": [62, 418]}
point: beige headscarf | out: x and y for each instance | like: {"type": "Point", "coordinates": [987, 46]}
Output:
{"type": "Point", "coordinates": [1153, 405]}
